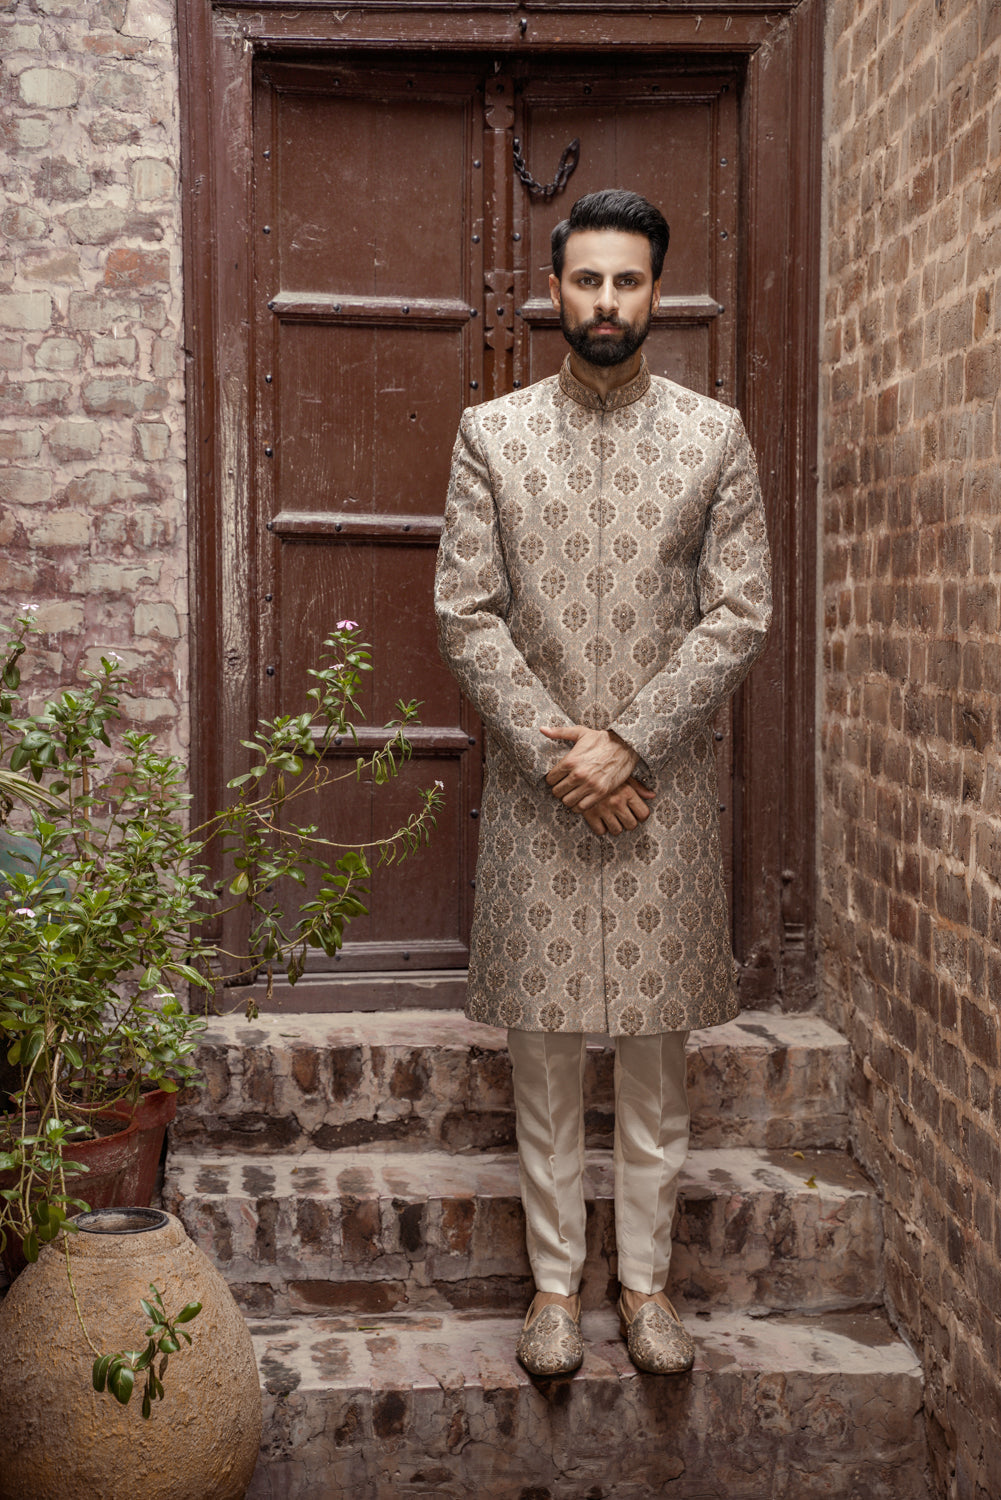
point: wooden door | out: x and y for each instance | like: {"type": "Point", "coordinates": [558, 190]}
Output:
{"type": "Point", "coordinates": [363, 260]}
{"type": "Point", "coordinates": [401, 273]}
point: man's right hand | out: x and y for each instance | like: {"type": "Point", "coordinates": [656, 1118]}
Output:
{"type": "Point", "coordinates": [621, 810]}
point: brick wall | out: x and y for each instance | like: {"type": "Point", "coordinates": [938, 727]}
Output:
{"type": "Point", "coordinates": [91, 368]}
{"type": "Point", "coordinates": [911, 812]}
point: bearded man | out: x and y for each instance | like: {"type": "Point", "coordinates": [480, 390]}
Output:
{"type": "Point", "coordinates": [603, 583]}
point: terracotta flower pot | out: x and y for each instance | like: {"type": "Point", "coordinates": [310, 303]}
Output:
{"type": "Point", "coordinates": [59, 1437]}
{"type": "Point", "coordinates": [152, 1115]}
{"type": "Point", "coordinates": [122, 1162]}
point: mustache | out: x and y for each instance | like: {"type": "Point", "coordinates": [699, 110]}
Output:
{"type": "Point", "coordinates": [593, 323]}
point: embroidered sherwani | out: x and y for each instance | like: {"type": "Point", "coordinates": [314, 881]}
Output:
{"type": "Point", "coordinates": [603, 562]}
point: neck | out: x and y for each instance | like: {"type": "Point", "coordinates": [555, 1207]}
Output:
{"type": "Point", "coordinates": [605, 378]}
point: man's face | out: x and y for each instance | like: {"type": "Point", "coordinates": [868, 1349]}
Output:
{"type": "Point", "coordinates": [605, 295]}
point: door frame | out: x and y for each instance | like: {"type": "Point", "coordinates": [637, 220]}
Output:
{"type": "Point", "coordinates": [779, 47]}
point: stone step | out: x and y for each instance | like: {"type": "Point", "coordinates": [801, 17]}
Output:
{"type": "Point", "coordinates": [779, 1408]}
{"type": "Point", "coordinates": [379, 1231]}
{"type": "Point", "coordinates": [420, 1078]}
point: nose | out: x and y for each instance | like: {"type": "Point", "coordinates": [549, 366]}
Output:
{"type": "Point", "coordinates": [607, 299]}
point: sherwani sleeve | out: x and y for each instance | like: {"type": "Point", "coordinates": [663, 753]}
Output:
{"type": "Point", "coordinates": [733, 588]}
{"type": "Point", "coordinates": [472, 602]}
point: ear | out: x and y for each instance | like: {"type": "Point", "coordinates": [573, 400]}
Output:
{"type": "Point", "coordinates": [554, 291]}
{"type": "Point", "coordinates": [655, 296]}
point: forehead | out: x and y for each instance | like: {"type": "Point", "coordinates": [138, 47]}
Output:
{"type": "Point", "coordinates": [610, 251]}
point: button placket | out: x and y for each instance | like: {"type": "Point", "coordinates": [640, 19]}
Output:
{"type": "Point", "coordinates": [606, 851]}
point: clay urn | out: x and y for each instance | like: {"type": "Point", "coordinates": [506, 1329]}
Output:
{"type": "Point", "coordinates": [59, 1437]}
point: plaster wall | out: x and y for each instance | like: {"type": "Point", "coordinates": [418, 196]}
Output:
{"type": "Point", "coordinates": [92, 491]}
{"type": "Point", "coordinates": [910, 860]}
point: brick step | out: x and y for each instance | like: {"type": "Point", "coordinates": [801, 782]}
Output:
{"type": "Point", "coordinates": [420, 1078]}
{"type": "Point", "coordinates": [379, 1230]}
{"type": "Point", "coordinates": [436, 1407]}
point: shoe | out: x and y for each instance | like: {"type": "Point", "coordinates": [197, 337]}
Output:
{"type": "Point", "coordinates": [657, 1341]}
{"type": "Point", "coordinates": [550, 1342]}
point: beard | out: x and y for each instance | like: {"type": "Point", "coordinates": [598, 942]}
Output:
{"type": "Point", "coordinates": [606, 349]}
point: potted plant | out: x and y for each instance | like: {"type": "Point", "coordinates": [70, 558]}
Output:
{"type": "Point", "coordinates": [105, 902]}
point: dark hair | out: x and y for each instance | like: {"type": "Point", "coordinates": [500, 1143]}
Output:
{"type": "Point", "coordinates": [614, 208]}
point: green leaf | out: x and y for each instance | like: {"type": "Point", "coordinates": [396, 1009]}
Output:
{"type": "Point", "coordinates": [120, 1383]}
{"type": "Point", "coordinates": [30, 1247]}
{"type": "Point", "coordinates": [32, 1046]}
{"type": "Point", "coordinates": [100, 1371]}
{"type": "Point", "coordinates": [147, 1406]}
{"type": "Point", "coordinates": [191, 1310]}
{"type": "Point", "coordinates": [149, 1309]}
{"type": "Point", "coordinates": [146, 1357]}
{"type": "Point", "coordinates": [168, 1344]}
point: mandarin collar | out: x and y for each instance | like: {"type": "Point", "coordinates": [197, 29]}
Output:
{"type": "Point", "coordinates": [622, 395]}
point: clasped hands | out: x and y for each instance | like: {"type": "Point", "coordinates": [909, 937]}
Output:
{"type": "Point", "coordinates": [596, 778]}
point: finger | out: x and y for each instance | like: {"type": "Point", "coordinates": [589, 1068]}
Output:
{"type": "Point", "coordinates": [589, 796]}
{"type": "Point", "coordinates": [564, 770]}
{"type": "Point", "coordinates": [571, 732]}
{"type": "Point", "coordinates": [642, 791]}
{"type": "Point", "coordinates": [594, 821]}
{"type": "Point", "coordinates": [626, 817]}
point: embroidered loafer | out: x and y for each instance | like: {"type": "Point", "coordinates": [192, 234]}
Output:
{"type": "Point", "coordinates": [550, 1342]}
{"type": "Point", "coordinates": [657, 1341]}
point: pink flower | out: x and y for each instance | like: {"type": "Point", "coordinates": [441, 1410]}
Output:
{"type": "Point", "coordinates": [347, 625]}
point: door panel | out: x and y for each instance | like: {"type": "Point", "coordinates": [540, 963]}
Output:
{"type": "Point", "coordinates": [373, 181]}
{"type": "Point", "coordinates": [365, 354]}
{"type": "Point", "coordinates": [360, 414]}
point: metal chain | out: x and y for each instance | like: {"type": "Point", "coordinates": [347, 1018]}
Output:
{"type": "Point", "coordinates": [565, 170]}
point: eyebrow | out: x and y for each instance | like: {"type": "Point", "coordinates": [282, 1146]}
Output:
{"type": "Point", "coordinates": [590, 271]}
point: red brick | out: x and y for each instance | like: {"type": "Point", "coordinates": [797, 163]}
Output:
{"type": "Point", "coordinates": [136, 268]}
{"type": "Point", "coordinates": [982, 371]}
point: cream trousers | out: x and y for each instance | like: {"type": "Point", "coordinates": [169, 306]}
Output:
{"type": "Point", "coordinates": [651, 1143]}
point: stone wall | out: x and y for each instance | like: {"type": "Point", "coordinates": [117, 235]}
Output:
{"type": "Point", "coordinates": [911, 777]}
{"type": "Point", "coordinates": [92, 497]}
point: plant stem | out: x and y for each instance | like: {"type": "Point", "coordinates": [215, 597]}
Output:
{"type": "Point", "coordinates": [69, 1277]}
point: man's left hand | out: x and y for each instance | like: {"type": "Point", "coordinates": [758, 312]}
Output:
{"type": "Point", "coordinates": [620, 811]}
{"type": "Point", "coordinates": [599, 763]}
